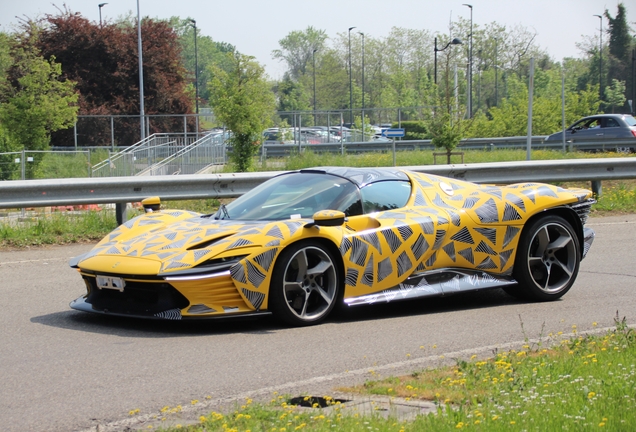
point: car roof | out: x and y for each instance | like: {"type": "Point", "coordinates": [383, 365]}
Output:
{"type": "Point", "coordinates": [607, 116]}
{"type": "Point", "coordinates": [361, 176]}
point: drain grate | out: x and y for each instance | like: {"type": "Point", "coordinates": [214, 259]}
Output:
{"type": "Point", "coordinates": [315, 401]}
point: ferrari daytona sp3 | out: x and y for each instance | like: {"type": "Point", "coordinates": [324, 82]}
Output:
{"type": "Point", "coordinates": [307, 241]}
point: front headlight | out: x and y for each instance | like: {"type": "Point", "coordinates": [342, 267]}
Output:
{"type": "Point", "coordinates": [205, 269]}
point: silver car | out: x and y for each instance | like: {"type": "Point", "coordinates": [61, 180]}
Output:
{"type": "Point", "coordinates": [600, 128]}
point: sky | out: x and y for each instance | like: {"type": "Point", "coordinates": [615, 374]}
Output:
{"type": "Point", "coordinates": [255, 27]}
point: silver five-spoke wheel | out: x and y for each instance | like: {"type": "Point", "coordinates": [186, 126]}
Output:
{"type": "Point", "coordinates": [305, 284]}
{"type": "Point", "coordinates": [548, 259]}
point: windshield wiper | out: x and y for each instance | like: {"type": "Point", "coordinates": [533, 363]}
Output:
{"type": "Point", "coordinates": [223, 209]}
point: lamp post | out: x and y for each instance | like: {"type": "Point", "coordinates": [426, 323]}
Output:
{"type": "Point", "coordinates": [101, 5]}
{"type": "Point", "coordinates": [600, 60]}
{"type": "Point", "coordinates": [362, 34]}
{"type": "Point", "coordinates": [196, 67]}
{"type": "Point", "coordinates": [142, 115]}
{"type": "Point", "coordinates": [496, 75]}
{"type": "Point", "coordinates": [350, 81]}
{"type": "Point", "coordinates": [470, 64]}
{"type": "Point", "coordinates": [455, 41]}
{"type": "Point", "coordinates": [313, 61]}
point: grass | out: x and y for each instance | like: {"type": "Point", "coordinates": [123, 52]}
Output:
{"type": "Point", "coordinates": [578, 383]}
{"type": "Point", "coordinates": [415, 158]}
{"type": "Point", "coordinates": [61, 228]}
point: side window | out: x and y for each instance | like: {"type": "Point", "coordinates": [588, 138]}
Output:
{"type": "Point", "coordinates": [610, 122]}
{"type": "Point", "coordinates": [385, 195]}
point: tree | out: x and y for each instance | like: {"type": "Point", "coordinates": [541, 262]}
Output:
{"type": "Point", "coordinates": [209, 52]}
{"type": "Point", "coordinates": [620, 43]}
{"type": "Point", "coordinates": [242, 99]}
{"type": "Point", "coordinates": [103, 61]}
{"type": "Point", "coordinates": [34, 101]}
{"type": "Point", "coordinates": [297, 47]}
{"type": "Point", "coordinates": [615, 94]}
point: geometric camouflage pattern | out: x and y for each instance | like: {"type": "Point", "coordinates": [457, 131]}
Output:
{"type": "Point", "coordinates": [446, 224]}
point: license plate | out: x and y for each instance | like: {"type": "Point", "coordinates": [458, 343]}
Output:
{"type": "Point", "coordinates": [108, 282]}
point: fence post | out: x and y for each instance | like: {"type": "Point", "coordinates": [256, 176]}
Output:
{"type": "Point", "coordinates": [120, 213]}
{"type": "Point", "coordinates": [112, 133]}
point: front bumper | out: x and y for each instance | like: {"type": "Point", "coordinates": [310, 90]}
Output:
{"type": "Point", "coordinates": [82, 305]}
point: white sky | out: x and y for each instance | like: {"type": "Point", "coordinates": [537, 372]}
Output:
{"type": "Point", "coordinates": [255, 27]}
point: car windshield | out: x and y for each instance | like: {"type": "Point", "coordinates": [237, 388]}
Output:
{"type": "Point", "coordinates": [293, 196]}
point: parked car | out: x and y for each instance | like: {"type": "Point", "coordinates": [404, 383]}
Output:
{"type": "Point", "coordinates": [306, 241]}
{"type": "Point", "coordinates": [599, 128]}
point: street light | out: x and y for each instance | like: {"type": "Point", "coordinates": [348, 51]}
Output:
{"type": "Point", "coordinates": [196, 67]}
{"type": "Point", "coordinates": [142, 115]}
{"type": "Point", "coordinates": [600, 61]}
{"type": "Point", "coordinates": [496, 75]}
{"type": "Point", "coordinates": [455, 41]}
{"type": "Point", "coordinates": [101, 5]}
{"type": "Point", "coordinates": [470, 64]}
{"type": "Point", "coordinates": [350, 81]}
{"type": "Point", "coordinates": [362, 34]}
{"type": "Point", "coordinates": [313, 61]}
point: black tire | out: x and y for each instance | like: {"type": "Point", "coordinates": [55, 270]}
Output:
{"type": "Point", "coordinates": [547, 261]}
{"type": "Point", "coordinates": [305, 284]}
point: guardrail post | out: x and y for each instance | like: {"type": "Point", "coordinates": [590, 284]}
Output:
{"type": "Point", "coordinates": [597, 188]}
{"type": "Point", "coordinates": [120, 213]}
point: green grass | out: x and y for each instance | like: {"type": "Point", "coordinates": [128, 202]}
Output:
{"type": "Point", "coordinates": [414, 158]}
{"type": "Point", "coordinates": [56, 228]}
{"type": "Point", "coordinates": [579, 383]}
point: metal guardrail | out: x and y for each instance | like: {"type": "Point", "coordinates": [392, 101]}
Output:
{"type": "Point", "coordinates": [77, 191]}
{"type": "Point", "coordinates": [537, 142]}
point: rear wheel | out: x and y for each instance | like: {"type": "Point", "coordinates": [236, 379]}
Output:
{"type": "Point", "coordinates": [547, 260]}
{"type": "Point", "coordinates": [305, 284]}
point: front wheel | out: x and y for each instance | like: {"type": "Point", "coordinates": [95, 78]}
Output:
{"type": "Point", "coordinates": [547, 260]}
{"type": "Point", "coordinates": [305, 284]}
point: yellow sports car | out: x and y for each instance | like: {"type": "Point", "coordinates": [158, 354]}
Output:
{"type": "Point", "coordinates": [307, 241]}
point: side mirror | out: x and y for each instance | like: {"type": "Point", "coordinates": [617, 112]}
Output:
{"type": "Point", "coordinates": [327, 218]}
{"type": "Point", "coordinates": [151, 204]}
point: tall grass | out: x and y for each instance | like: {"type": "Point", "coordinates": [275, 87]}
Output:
{"type": "Point", "coordinates": [56, 228]}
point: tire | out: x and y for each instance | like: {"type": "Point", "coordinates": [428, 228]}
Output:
{"type": "Point", "coordinates": [305, 284]}
{"type": "Point", "coordinates": [547, 261]}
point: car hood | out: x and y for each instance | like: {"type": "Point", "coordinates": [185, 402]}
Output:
{"type": "Point", "coordinates": [168, 242]}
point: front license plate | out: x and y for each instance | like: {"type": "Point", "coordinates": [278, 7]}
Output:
{"type": "Point", "coordinates": [108, 282]}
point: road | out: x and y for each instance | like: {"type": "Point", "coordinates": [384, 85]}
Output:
{"type": "Point", "coordinates": [64, 370]}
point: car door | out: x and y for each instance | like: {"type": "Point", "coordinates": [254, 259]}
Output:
{"type": "Point", "coordinates": [611, 128]}
{"type": "Point", "coordinates": [588, 129]}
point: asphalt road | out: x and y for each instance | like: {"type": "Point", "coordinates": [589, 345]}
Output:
{"type": "Point", "coordinates": [63, 370]}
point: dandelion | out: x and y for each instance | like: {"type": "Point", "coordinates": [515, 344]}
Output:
{"type": "Point", "coordinates": [590, 395]}
{"type": "Point", "coordinates": [459, 425]}
{"type": "Point", "coordinates": [133, 412]}
{"type": "Point", "coordinates": [194, 402]}
{"type": "Point", "coordinates": [202, 419]}
{"type": "Point", "coordinates": [601, 424]}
